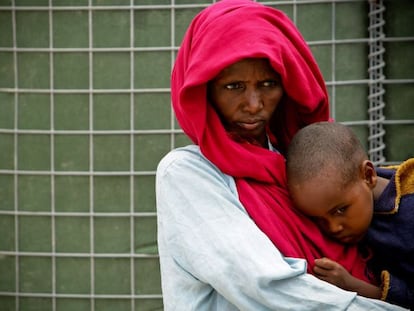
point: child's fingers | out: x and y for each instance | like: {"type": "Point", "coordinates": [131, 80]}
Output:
{"type": "Point", "coordinates": [325, 263]}
{"type": "Point", "coordinates": [319, 272]}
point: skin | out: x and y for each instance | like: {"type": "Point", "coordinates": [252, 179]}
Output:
{"type": "Point", "coordinates": [344, 213]}
{"type": "Point", "coordinates": [245, 95]}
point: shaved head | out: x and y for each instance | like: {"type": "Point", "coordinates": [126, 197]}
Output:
{"type": "Point", "coordinates": [321, 148]}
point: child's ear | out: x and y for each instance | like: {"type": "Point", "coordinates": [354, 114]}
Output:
{"type": "Point", "coordinates": [368, 173]}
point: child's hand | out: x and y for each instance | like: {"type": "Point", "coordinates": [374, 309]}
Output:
{"type": "Point", "coordinates": [332, 272]}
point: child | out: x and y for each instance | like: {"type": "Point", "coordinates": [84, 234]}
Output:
{"type": "Point", "coordinates": [331, 180]}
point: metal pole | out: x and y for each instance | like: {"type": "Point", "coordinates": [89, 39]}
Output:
{"type": "Point", "coordinates": [376, 86]}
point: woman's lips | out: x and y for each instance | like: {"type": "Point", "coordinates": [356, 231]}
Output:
{"type": "Point", "coordinates": [250, 126]}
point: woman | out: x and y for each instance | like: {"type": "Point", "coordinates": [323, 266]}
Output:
{"type": "Point", "coordinates": [243, 83]}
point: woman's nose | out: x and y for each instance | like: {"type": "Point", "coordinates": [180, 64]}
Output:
{"type": "Point", "coordinates": [254, 102]}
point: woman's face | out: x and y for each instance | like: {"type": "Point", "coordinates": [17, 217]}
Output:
{"type": "Point", "coordinates": [245, 96]}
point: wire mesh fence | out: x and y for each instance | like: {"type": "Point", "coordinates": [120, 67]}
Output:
{"type": "Point", "coordinates": [85, 117]}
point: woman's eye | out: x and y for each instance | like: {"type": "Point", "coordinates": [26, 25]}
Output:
{"type": "Point", "coordinates": [270, 83]}
{"type": "Point", "coordinates": [233, 86]}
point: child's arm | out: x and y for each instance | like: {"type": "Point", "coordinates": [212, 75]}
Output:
{"type": "Point", "coordinates": [332, 272]}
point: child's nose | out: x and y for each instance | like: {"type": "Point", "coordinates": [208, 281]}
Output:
{"type": "Point", "coordinates": [335, 227]}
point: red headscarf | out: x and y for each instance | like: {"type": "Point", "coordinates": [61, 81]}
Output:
{"type": "Point", "coordinates": [222, 34]}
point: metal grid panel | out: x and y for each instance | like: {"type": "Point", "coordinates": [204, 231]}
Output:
{"type": "Point", "coordinates": [33, 179]}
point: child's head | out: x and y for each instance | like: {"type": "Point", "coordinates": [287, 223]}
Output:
{"type": "Point", "coordinates": [331, 179]}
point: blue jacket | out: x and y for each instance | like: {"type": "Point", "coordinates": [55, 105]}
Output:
{"type": "Point", "coordinates": [391, 234]}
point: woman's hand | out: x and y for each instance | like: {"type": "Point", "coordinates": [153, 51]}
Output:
{"type": "Point", "coordinates": [334, 273]}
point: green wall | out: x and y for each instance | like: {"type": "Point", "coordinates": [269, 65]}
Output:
{"type": "Point", "coordinates": [85, 117]}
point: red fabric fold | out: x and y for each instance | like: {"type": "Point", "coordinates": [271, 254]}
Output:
{"type": "Point", "coordinates": [220, 35]}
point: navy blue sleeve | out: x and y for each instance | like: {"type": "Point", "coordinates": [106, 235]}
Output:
{"type": "Point", "coordinates": [400, 293]}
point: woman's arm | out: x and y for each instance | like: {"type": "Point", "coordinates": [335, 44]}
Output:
{"type": "Point", "coordinates": [213, 256]}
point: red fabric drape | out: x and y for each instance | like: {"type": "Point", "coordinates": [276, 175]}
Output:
{"type": "Point", "coordinates": [222, 34]}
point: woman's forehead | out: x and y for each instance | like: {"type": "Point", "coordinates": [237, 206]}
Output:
{"type": "Point", "coordinates": [247, 65]}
